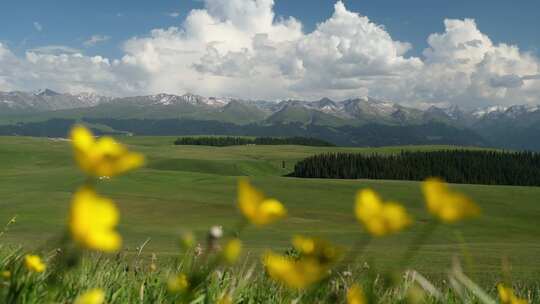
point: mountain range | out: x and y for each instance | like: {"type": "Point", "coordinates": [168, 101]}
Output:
{"type": "Point", "coordinates": [382, 122]}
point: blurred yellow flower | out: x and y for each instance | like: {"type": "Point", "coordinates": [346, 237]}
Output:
{"type": "Point", "coordinates": [293, 273]}
{"type": "Point", "coordinates": [416, 295]}
{"type": "Point", "coordinates": [232, 251]}
{"type": "Point", "coordinates": [92, 220]}
{"type": "Point", "coordinates": [316, 257]}
{"type": "Point", "coordinates": [178, 283]}
{"type": "Point", "coordinates": [34, 263]}
{"type": "Point", "coordinates": [5, 274]}
{"type": "Point", "coordinates": [355, 295]}
{"type": "Point", "coordinates": [319, 249]}
{"type": "Point", "coordinates": [187, 240]}
{"type": "Point", "coordinates": [255, 207]}
{"type": "Point", "coordinates": [225, 299]}
{"type": "Point", "coordinates": [103, 156]}
{"type": "Point", "coordinates": [380, 218]}
{"type": "Point", "coordinates": [507, 296]}
{"type": "Point", "coordinates": [93, 296]}
{"type": "Point", "coordinates": [448, 206]}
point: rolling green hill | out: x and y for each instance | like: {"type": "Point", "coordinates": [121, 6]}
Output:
{"type": "Point", "coordinates": [231, 113]}
{"type": "Point", "coordinates": [193, 187]}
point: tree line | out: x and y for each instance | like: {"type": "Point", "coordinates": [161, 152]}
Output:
{"type": "Point", "coordinates": [455, 166]}
{"type": "Point", "coordinates": [222, 141]}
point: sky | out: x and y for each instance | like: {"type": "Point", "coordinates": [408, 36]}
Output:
{"type": "Point", "coordinates": [469, 53]}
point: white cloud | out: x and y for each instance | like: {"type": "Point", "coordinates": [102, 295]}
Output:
{"type": "Point", "coordinates": [7, 63]}
{"type": "Point", "coordinates": [173, 14]}
{"type": "Point", "coordinates": [55, 50]}
{"type": "Point", "coordinates": [348, 52]}
{"type": "Point", "coordinates": [177, 59]}
{"type": "Point", "coordinates": [38, 26]}
{"type": "Point", "coordinates": [463, 66]}
{"type": "Point", "coordinates": [240, 48]}
{"type": "Point", "coordinates": [95, 39]}
{"type": "Point", "coordinates": [70, 71]}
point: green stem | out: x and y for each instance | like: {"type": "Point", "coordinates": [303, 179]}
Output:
{"type": "Point", "coordinates": [240, 227]}
{"type": "Point", "coordinates": [357, 250]}
{"type": "Point", "coordinates": [417, 242]}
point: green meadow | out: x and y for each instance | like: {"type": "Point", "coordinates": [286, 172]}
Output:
{"type": "Point", "coordinates": [190, 188]}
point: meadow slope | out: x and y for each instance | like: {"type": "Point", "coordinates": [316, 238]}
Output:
{"type": "Point", "coordinates": [191, 188]}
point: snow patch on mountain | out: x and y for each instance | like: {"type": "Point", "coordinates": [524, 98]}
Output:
{"type": "Point", "coordinates": [362, 109]}
{"type": "Point", "coordinates": [479, 113]}
{"type": "Point", "coordinates": [192, 99]}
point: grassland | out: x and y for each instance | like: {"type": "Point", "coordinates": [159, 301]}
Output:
{"type": "Point", "coordinates": [191, 188]}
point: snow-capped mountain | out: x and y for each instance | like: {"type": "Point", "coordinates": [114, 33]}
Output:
{"type": "Point", "coordinates": [90, 99]}
{"type": "Point", "coordinates": [47, 100]}
{"type": "Point", "coordinates": [491, 110]}
{"type": "Point", "coordinates": [354, 111]}
{"type": "Point", "coordinates": [512, 112]}
{"type": "Point", "coordinates": [170, 99]}
{"type": "Point", "coordinates": [364, 109]}
{"type": "Point", "coordinates": [46, 92]}
{"type": "Point", "coordinates": [514, 127]}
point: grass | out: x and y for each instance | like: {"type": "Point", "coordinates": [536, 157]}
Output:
{"type": "Point", "coordinates": [134, 280]}
{"type": "Point", "coordinates": [193, 187]}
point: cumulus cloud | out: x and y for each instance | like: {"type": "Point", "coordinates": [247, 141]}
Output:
{"type": "Point", "coordinates": [69, 71]}
{"type": "Point", "coordinates": [463, 66]}
{"type": "Point", "coordinates": [240, 48]}
{"type": "Point", "coordinates": [348, 52]}
{"type": "Point", "coordinates": [54, 50]}
{"type": "Point", "coordinates": [95, 39]}
{"type": "Point", "coordinates": [531, 77]}
{"type": "Point", "coordinates": [506, 81]}
{"type": "Point", "coordinates": [212, 53]}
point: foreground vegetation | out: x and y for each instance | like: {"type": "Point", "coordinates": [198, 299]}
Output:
{"type": "Point", "coordinates": [456, 166]}
{"type": "Point", "coordinates": [137, 276]}
{"type": "Point", "coordinates": [141, 279]}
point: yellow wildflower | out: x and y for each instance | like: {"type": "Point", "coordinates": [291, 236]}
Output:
{"type": "Point", "coordinates": [416, 295]}
{"type": "Point", "coordinates": [380, 218]}
{"type": "Point", "coordinates": [187, 240]}
{"type": "Point", "coordinates": [103, 156]}
{"type": "Point", "coordinates": [34, 263]}
{"type": "Point", "coordinates": [507, 296]}
{"type": "Point", "coordinates": [315, 260]}
{"type": "Point", "coordinates": [92, 220]}
{"type": "Point", "coordinates": [6, 274]}
{"type": "Point", "coordinates": [178, 283]}
{"type": "Point", "coordinates": [93, 296]}
{"type": "Point", "coordinates": [448, 206]}
{"type": "Point", "coordinates": [225, 299]}
{"type": "Point", "coordinates": [355, 295]}
{"type": "Point", "coordinates": [319, 249]}
{"type": "Point", "coordinates": [296, 274]}
{"type": "Point", "coordinates": [256, 208]}
{"type": "Point", "coordinates": [232, 251]}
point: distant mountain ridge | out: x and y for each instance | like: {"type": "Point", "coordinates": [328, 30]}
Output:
{"type": "Point", "coordinates": [353, 111]}
{"type": "Point", "coordinates": [515, 127]}
{"type": "Point", "coordinates": [46, 100]}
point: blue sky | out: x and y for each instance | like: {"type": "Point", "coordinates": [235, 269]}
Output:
{"type": "Point", "coordinates": [71, 22]}
{"type": "Point", "coordinates": [469, 53]}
